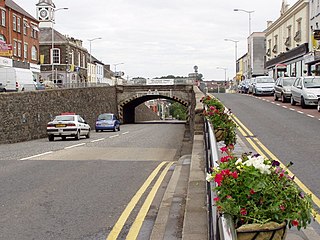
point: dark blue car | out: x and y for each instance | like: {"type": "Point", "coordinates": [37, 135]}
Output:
{"type": "Point", "coordinates": [107, 121]}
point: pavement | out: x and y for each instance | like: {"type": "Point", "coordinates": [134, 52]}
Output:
{"type": "Point", "coordinates": [190, 221]}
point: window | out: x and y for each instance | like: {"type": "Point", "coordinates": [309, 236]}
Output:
{"type": "Point", "coordinates": [19, 49]}
{"type": "Point", "coordinates": [55, 56]}
{"type": "Point", "coordinates": [15, 47]}
{"type": "Point", "coordinates": [84, 60]}
{"type": "Point", "coordinates": [25, 27]}
{"type": "Point", "coordinates": [72, 57]}
{"type": "Point", "coordinates": [34, 53]}
{"type": "Point", "coordinates": [14, 23]}
{"type": "Point", "coordinates": [25, 51]}
{"type": "Point", "coordinates": [3, 17]}
{"type": "Point", "coordinates": [18, 24]}
{"type": "Point", "coordinates": [79, 59]}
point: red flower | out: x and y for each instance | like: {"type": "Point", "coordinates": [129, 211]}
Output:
{"type": "Point", "coordinates": [225, 172]}
{"type": "Point", "coordinates": [224, 149]}
{"type": "Point", "coordinates": [295, 222]}
{"type": "Point", "coordinates": [235, 175]}
{"type": "Point", "coordinates": [282, 207]}
{"type": "Point", "coordinates": [216, 199]}
{"type": "Point", "coordinates": [229, 197]}
{"type": "Point", "coordinates": [252, 191]}
{"type": "Point", "coordinates": [243, 211]}
{"type": "Point", "coordinates": [225, 158]}
{"type": "Point", "coordinates": [218, 178]}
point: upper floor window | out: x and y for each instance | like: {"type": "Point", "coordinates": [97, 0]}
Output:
{"type": "Point", "coordinates": [79, 59]}
{"type": "Point", "coordinates": [25, 51]}
{"type": "Point", "coordinates": [18, 24]}
{"type": "Point", "coordinates": [84, 60]}
{"type": "Point", "coordinates": [19, 49]}
{"type": "Point", "coordinates": [3, 17]}
{"type": "Point", "coordinates": [25, 27]}
{"type": "Point", "coordinates": [55, 59]}
{"type": "Point", "coordinates": [72, 57]}
{"type": "Point", "coordinates": [34, 53]}
{"type": "Point", "coordinates": [14, 21]}
{"type": "Point", "coordinates": [15, 47]}
{"type": "Point", "coordinates": [34, 31]}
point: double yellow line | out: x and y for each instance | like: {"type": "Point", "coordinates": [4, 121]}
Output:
{"type": "Point", "coordinates": [263, 151]}
{"type": "Point", "coordinates": [136, 226]}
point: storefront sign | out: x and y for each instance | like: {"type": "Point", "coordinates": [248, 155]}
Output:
{"type": "Point", "coordinates": [316, 34]}
{"type": "Point", "coordinates": [5, 62]}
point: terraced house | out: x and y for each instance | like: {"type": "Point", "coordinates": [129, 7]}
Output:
{"type": "Point", "coordinates": [19, 38]}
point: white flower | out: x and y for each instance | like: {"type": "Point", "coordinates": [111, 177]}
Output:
{"type": "Point", "coordinates": [258, 163]}
{"type": "Point", "coordinates": [239, 161]}
{"type": "Point", "coordinates": [209, 177]}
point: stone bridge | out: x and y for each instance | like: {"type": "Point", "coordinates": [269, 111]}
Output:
{"type": "Point", "coordinates": [131, 96]}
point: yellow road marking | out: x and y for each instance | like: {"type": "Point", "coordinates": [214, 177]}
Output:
{"type": "Point", "coordinates": [135, 228]}
{"type": "Point", "coordinates": [242, 126]}
{"type": "Point", "coordinates": [125, 214]}
{"type": "Point", "coordinates": [314, 198]}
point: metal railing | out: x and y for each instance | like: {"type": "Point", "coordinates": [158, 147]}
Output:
{"type": "Point", "coordinates": [220, 227]}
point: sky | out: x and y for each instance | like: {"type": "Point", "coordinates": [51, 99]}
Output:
{"type": "Point", "coordinates": [154, 38]}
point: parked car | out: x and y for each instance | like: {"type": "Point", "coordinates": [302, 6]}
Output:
{"type": "Point", "coordinates": [16, 79]}
{"type": "Point", "coordinates": [263, 85]}
{"type": "Point", "coordinates": [318, 107]}
{"type": "Point", "coordinates": [306, 91]}
{"type": "Point", "coordinates": [107, 121]}
{"type": "Point", "coordinates": [282, 88]}
{"type": "Point", "coordinates": [245, 86]}
{"type": "Point", "coordinates": [250, 85]}
{"type": "Point", "coordinates": [68, 125]}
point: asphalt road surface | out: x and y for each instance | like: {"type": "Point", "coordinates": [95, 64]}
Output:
{"type": "Point", "coordinates": [78, 189]}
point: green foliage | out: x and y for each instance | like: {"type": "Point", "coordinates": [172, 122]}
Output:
{"type": "Point", "coordinates": [253, 189]}
{"type": "Point", "coordinates": [220, 119]}
{"type": "Point", "coordinates": [178, 111]}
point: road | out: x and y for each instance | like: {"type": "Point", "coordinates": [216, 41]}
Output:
{"type": "Point", "coordinates": [290, 133]}
{"type": "Point", "coordinates": [78, 189]}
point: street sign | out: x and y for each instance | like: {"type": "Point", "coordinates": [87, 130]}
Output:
{"type": "Point", "coordinates": [5, 49]}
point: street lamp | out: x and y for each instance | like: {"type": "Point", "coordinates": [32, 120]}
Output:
{"type": "Point", "coordinates": [225, 72]}
{"type": "Point", "coordinates": [90, 40]}
{"type": "Point", "coordinates": [52, 38]}
{"type": "Point", "coordinates": [246, 11]}
{"type": "Point", "coordinates": [235, 43]}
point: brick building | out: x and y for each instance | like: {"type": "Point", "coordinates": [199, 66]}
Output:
{"type": "Point", "coordinates": [19, 36]}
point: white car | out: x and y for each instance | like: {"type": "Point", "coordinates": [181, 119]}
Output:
{"type": "Point", "coordinates": [306, 91]}
{"type": "Point", "coordinates": [68, 125]}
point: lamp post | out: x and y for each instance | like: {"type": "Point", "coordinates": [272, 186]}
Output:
{"type": "Point", "coordinates": [236, 51]}
{"type": "Point", "coordinates": [52, 38]}
{"type": "Point", "coordinates": [115, 71]}
{"type": "Point", "coordinates": [246, 11]}
{"type": "Point", "coordinates": [90, 56]}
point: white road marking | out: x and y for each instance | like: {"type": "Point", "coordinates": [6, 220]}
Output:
{"type": "Point", "coordinates": [77, 145]}
{"type": "Point", "coordinates": [292, 109]}
{"type": "Point", "coordinates": [125, 133]}
{"type": "Point", "coordinates": [114, 136]}
{"type": "Point", "coordinates": [278, 104]}
{"type": "Point", "coordinates": [284, 106]}
{"type": "Point", "coordinates": [300, 112]}
{"type": "Point", "coordinates": [38, 155]}
{"type": "Point", "coordinates": [97, 140]}
{"type": "Point", "coordinates": [310, 115]}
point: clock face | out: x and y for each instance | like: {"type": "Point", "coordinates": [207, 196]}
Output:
{"type": "Point", "coordinates": [43, 13]}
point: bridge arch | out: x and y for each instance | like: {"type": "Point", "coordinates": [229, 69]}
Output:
{"type": "Point", "coordinates": [127, 107]}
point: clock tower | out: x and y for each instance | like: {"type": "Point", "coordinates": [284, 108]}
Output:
{"type": "Point", "coordinates": [45, 13]}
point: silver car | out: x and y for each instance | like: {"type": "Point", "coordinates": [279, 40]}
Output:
{"type": "Point", "coordinates": [306, 91]}
{"type": "Point", "coordinates": [282, 88]}
{"type": "Point", "coordinates": [263, 85]}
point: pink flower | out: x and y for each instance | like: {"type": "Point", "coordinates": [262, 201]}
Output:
{"type": "Point", "coordinates": [282, 207]}
{"type": "Point", "coordinates": [218, 178]}
{"type": "Point", "coordinates": [229, 197]}
{"type": "Point", "coordinates": [252, 191]}
{"type": "Point", "coordinates": [224, 149]}
{"type": "Point", "coordinates": [235, 175]}
{"type": "Point", "coordinates": [225, 158]}
{"type": "Point", "coordinates": [243, 211]}
{"type": "Point", "coordinates": [216, 199]}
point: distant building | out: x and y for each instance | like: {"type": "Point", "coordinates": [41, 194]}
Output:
{"type": "Point", "coordinates": [18, 38]}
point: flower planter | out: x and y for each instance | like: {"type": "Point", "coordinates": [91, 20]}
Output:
{"type": "Point", "coordinates": [267, 231]}
{"type": "Point", "coordinates": [219, 134]}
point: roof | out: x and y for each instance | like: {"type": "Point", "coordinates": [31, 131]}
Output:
{"type": "Point", "coordinates": [11, 4]}
{"type": "Point", "coordinates": [45, 36]}
{"type": "Point", "coordinates": [45, 2]}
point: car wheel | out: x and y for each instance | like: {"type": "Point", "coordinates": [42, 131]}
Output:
{"type": "Point", "coordinates": [292, 101]}
{"type": "Point", "coordinates": [88, 134]}
{"type": "Point", "coordinates": [275, 97]}
{"type": "Point", "coordinates": [63, 138]}
{"type": "Point", "coordinates": [51, 138]}
{"type": "Point", "coordinates": [114, 128]}
{"type": "Point", "coordinates": [97, 130]}
{"type": "Point", "coordinates": [318, 105]}
{"type": "Point", "coordinates": [303, 104]}
{"type": "Point", "coordinates": [283, 99]}
{"type": "Point", "coordinates": [119, 128]}
{"type": "Point", "coordinates": [77, 137]}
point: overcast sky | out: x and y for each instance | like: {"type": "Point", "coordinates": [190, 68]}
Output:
{"type": "Point", "coordinates": [155, 38]}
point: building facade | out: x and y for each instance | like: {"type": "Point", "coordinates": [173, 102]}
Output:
{"type": "Point", "coordinates": [19, 38]}
{"type": "Point", "coordinates": [287, 41]}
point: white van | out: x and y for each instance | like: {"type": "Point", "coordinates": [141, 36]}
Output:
{"type": "Point", "coordinates": [16, 79]}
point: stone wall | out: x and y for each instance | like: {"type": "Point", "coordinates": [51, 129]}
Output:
{"type": "Point", "coordinates": [24, 115]}
{"type": "Point", "coordinates": [143, 113]}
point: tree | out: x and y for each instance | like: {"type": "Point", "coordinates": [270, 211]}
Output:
{"type": "Point", "coordinates": [178, 111]}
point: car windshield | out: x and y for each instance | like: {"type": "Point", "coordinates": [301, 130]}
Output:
{"type": "Point", "coordinates": [64, 118]}
{"type": "Point", "coordinates": [105, 117]}
{"type": "Point", "coordinates": [312, 82]}
{"type": "Point", "coordinates": [288, 81]}
{"type": "Point", "coordinates": [265, 80]}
